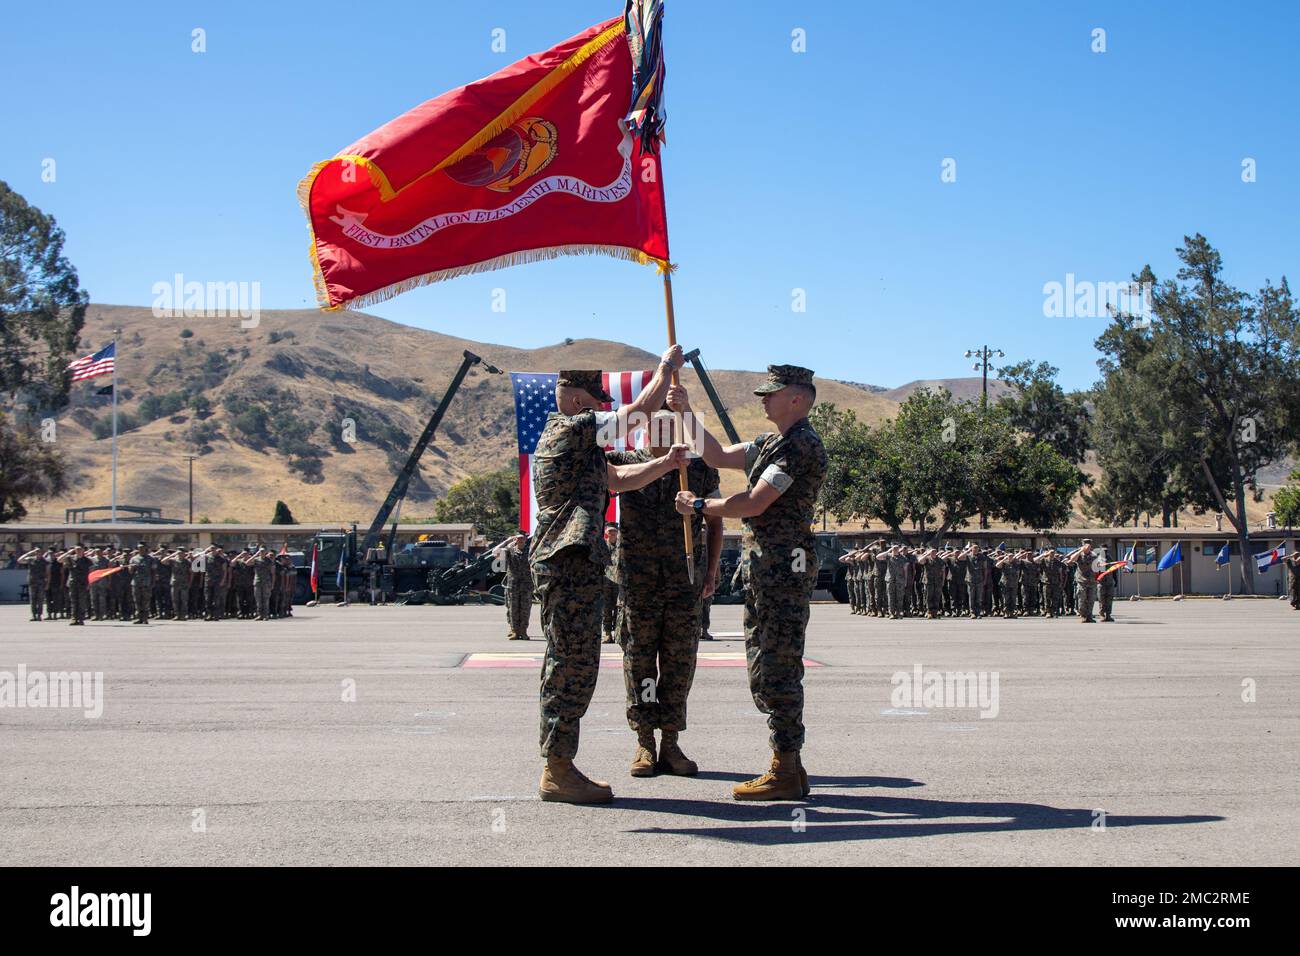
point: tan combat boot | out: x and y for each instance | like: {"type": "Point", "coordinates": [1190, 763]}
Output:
{"type": "Point", "coordinates": [671, 758]}
{"type": "Point", "coordinates": [781, 782]}
{"type": "Point", "coordinates": [562, 782]}
{"type": "Point", "coordinates": [643, 764]}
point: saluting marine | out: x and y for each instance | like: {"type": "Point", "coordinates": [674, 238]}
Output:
{"type": "Point", "coordinates": [568, 554]}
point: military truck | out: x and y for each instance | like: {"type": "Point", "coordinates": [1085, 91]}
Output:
{"type": "Point", "coordinates": [831, 575]}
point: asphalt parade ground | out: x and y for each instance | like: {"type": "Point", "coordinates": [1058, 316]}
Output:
{"type": "Point", "coordinates": [358, 735]}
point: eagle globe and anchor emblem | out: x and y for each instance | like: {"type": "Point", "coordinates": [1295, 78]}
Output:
{"type": "Point", "coordinates": [518, 152]}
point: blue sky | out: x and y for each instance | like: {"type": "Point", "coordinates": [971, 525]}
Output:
{"type": "Point", "coordinates": [817, 171]}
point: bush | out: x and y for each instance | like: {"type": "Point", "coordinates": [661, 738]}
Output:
{"type": "Point", "coordinates": [309, 469]}
{"type": "Point", "coordinates": [186, 334]}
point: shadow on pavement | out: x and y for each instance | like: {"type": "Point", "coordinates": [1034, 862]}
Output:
{"type": "Point", "coordinates": [833, 817]}
{"type": "Point", "coordinates": [818, 780]}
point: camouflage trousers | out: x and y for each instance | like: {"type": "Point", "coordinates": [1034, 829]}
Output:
{"type": "Point", "coordinates": [1053, 599]}
{"type": "Point", "coordinates": [776, 618]}
{"type": "Point", "coordinates": [975, 588]}
{"type": "Point", "coordinates": [1106, 598]}
{"type": "Point", "coordinates": [1085, 596]}
{"type": "Point", "coordinates": [897, 590]}
{"type": "Point", "coordinates": [36, 592]}
{"type": "Point", "coordinates": [180, 601]}
{"type": "Point", "coordinates": [78, 602]}
{"type": "Point", "coordinates": [214, 602]}
{"type": "Point", "coordinates": [141, 597]}
{"type": "Point", "coordinates": [1030, 597]}
{"type": "Point", "coordinates": [660, 640]}
{"type": "Point", "coordinates": [933, 596]}
{"type": "Point", "coordinates": [519, 603]}
{"type": "Point", "coordinates": [1009, 595]}
{"type": "Point", "coordinates": [568, 586]}
{"type": "Point", "coordinates": [612, 593]}
{"type": "Point", "coordinates": [262, 594]}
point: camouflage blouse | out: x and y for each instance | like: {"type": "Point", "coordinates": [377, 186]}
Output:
{"type": "Point", "coordinates": [779, 543]}
{"type": "Point", "coordinates": [650, 529]}
{"type": "Point", "coordinates": [571, 484]}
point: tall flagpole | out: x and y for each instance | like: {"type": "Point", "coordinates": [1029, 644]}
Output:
{"type": "Point", "coordinates": [116, 332]}
{"type": "Point", "coordinates": [682, 482]}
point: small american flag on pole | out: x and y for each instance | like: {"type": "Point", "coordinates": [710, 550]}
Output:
{"type": "Point", "coordinates": [92, 366]}
{"type": "Point", "coordinates": [535, 399]}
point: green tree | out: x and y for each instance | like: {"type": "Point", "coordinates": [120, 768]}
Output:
{"type": "Point", "coordinates": [1223, 366]}
{"type": "Point", "coordinates": [42, 310]}
{"type": "Point", "coordinates": [490, 502]}
{"type": "Point", "coordinates": [42, 307]}
{"type": "Point", "coordinates": [1044, 411]}
{"type": "Point", "coordinates": [846, 440]}
{"type": "Point", "coordinates": [940, 462]}
{"type": "Point", "coordinates": [29, 468]}
{"type": "Point", "coordinates": [282, 514]}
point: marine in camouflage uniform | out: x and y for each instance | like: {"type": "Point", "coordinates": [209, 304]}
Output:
{"type": "Point", "coordinates": [38, 575]}
{"type": "Point", "coordinates": [785, 471]}
{"type": "Point", "coordinates": [894, 561]}
{"type": "Point", "coordinates": [1107, 585]}
{"type": "Point", "coordinates": [977, 567]}
{"type": "Point", "coordinates": [957, 589]}
{"type": "Point", "coordinates": [1028, 583]}
{"type": "Point", "coordinates": [612, 593]}
{"type": "Point", "coordinates": [1047, 562]}
{"type": "Point", "coordinates": [661, 609]}
{"type": "Point", "coordinates": [55, 585]}
{"type": "Point", "coordinates": [932, 567]}
{"type": "Point", "coordinates": [99, 561]}
{"type": "Point", "coordinates": [568, 556]}
{"type": "Point", "coordinates": [78, 568]}
{"type": "Point", "coordinates": [263, 573]}
{"type": "Point", "coordinates": [120, 587]}
{"type": "Point", "coordinates": [851, 580]}
{"type": "Point", "coordinates": [1084, 560]}
{"type": "Point", "coordinates": [702, 571]}
{"type": "Point", "coordinates": [141, 569]}
{"type": "Point", "coordinates": [519, 587]}
{"type": "Point", "coordinates": [1010, 568]}
{"type": "Point", "coordinates": [1293, 580]}
{"type": "Point", "coordinates": [162, 603]}
{"type": "Point", "coordinates": [177, 566]}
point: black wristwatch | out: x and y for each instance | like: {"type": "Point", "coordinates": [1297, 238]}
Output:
{"type": "Point", "coordinates": [698, 505]}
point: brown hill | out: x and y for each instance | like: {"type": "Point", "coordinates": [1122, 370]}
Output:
{"type": "Point", "coordinates": [286, 386]}
{"type": "Point", "coordinates": [277, 395]}
{"type": "Point", "coordinates": [963, 389]}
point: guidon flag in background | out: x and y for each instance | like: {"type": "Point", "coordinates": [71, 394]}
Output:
{"type": "Point", "coordinates": [553, 155]}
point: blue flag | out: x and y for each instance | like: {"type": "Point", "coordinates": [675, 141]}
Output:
{"type": "Point", "coordinates": [338, 578]}
{"type": "Point", "coordinates": [1267, 559]}
{"type": "Point", "coordinates": [1172, 557]}
{"type": "Point", "coordinates": [1224, 552]}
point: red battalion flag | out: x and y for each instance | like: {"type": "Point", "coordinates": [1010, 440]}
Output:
{"type": "Point", "coordinates": [532, 162]}
{"type": "Point", "coordinates": [315, 573]}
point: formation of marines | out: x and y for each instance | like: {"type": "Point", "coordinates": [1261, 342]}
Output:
{"type": "Point", "coordinates": [638, 586]}
{"type": "Point", "coordinates": [114, 584]}
{"type": "Point", "coordinates": [897, 581]}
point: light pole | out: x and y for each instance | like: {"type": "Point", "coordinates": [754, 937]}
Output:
{"type": "Point", "coordinates": [982, 365]}
{"type": "Point", "coordinates": [191, 459]}
{"type": "Point", "coordinates": [983, 354]}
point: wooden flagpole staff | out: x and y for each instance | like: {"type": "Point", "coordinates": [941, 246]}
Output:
{"type": "Point", "coordinates": [681, 430]}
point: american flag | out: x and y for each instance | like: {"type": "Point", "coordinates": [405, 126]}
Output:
{"type": "Point", "coordinates": [535, 399]}
{"type": "Point", "coordinates": [92, 366]}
